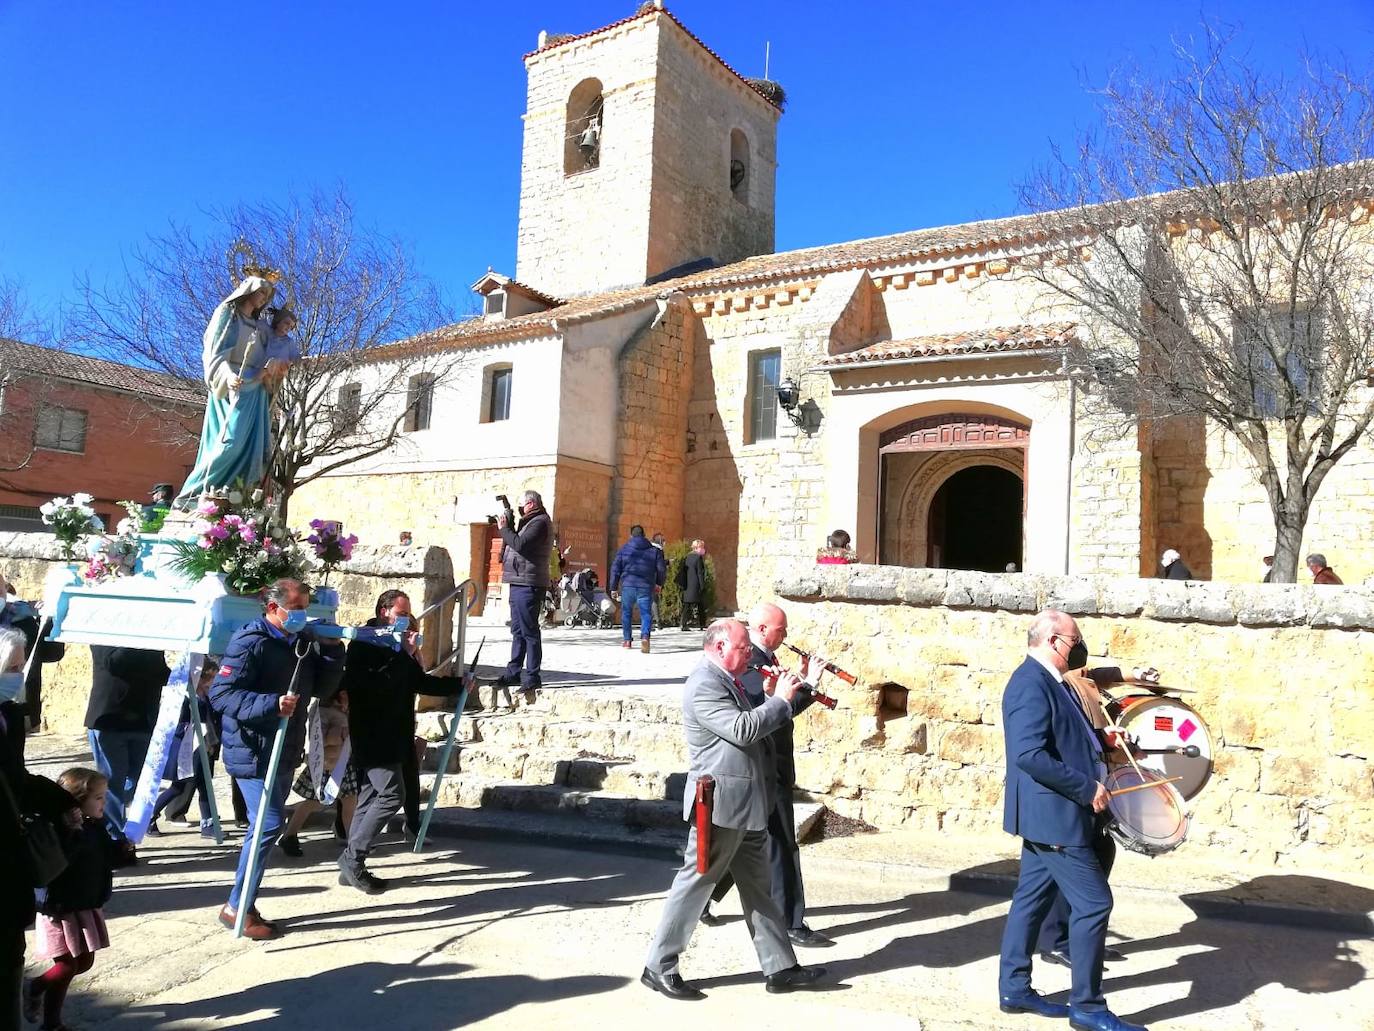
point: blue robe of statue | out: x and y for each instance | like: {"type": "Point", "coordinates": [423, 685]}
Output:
{"type": "Point", "coordinates": [236, 438]}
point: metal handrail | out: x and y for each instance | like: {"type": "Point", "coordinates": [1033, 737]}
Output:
{"type": "Point", "coordinates": [459, 641]}
{"type": "Point", "coordinates": [449, 597]}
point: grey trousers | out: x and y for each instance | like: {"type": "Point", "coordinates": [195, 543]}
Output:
{"type": "Point", "coordinates": [745, 855]}
{"type": "Point", "coordinates": [380, 794]}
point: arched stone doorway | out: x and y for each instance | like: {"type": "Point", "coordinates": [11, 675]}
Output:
{"type": "Point", "coordinates": [952, 492]}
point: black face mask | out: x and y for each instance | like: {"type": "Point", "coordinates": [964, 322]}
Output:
{"type": "Point", "coordinates": [1078, 655]}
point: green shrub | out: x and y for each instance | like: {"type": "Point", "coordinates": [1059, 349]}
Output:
{"type": "Point", "coordinates": [670, 603]}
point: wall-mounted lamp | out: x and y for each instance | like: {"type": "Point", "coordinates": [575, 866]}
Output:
{"type": "Point", "coordinates": [789, 398]}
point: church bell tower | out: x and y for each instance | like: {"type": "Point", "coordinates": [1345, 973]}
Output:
{"type": "Point", "coordinates": [644, 153]}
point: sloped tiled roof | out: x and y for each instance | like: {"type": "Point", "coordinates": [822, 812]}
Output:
{"type": "Point", "coordinates": [79, 368]}
{"type": "Point", "coordinates": [982, 341]}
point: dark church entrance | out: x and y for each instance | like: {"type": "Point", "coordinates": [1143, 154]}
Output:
{"type": "Point", "coordinates": [975, 521]}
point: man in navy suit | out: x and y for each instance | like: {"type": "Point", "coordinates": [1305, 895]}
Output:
{"type": "Point", "coordinates": [1055, 772]}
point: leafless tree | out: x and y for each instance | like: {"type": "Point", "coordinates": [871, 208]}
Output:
{"type": "Point", "coordinates": [352, 289]}
{"type": "Point", "coordinates": [1215, 240]}
{"type": "Point", "coordinates": [21, 391]}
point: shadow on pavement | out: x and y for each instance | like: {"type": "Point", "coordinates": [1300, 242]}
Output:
{"type": "Point", "coordinates": [1308, 961]}
{"type": "Point", "coordinates": [397, 996]}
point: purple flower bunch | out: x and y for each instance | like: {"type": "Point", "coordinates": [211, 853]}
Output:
{"type": "Point", "coordinates": [330, 544]}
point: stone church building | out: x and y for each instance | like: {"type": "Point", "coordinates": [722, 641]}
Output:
{"type": "Point", "coordinates": [653, 361]}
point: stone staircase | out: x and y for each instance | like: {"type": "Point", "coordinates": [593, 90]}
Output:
{"type": "Point", "coordinates": [612, 763]}
{"type": "Point", "coordinates": [581, 752]}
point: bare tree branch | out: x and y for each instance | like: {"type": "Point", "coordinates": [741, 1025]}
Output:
{"type": "Point", "coordinates": [1216, 242]}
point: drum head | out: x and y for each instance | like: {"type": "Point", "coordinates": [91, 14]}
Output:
{"type": "Point", "coordinates": [1151, 820]}
{"type": "Point", "coordinates": [1169, 723]}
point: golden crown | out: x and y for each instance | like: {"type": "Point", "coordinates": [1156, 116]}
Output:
{"type": "Point", "coordinates": [272, 275]}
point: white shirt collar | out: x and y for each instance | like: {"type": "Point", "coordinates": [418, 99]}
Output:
{"type": "Point", "coordinates": [1053, 672]}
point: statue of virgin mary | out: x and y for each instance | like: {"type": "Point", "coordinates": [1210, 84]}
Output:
{"type": "Point", "coordinates": [236, 438]}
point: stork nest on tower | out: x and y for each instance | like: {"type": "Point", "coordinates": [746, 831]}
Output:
{"type": "Point", "coordinates": [771, 91]}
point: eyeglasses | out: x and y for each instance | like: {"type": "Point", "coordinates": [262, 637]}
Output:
{"type": "Point", "coordinates": [1065, 637]}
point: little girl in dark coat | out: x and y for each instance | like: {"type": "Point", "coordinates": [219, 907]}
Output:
{"type": "Point", "coordinates": [71, 924]}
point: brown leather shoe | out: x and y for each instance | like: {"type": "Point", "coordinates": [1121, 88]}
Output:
{"type": "Point", "coordinates": [644, 645]}
{"type": "Point", "coordinates": [254, 926]}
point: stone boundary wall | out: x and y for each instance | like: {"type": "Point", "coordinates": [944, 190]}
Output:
{"type": "Point", "coordinates": [1283, 675]}
{"type": "Point", "coordinates": [426, 574]}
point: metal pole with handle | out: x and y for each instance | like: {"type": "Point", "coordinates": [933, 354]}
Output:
{"type": "Point", "coordinates": [269, 790]}
{"type": "Point", "coordinates": [447, 752]}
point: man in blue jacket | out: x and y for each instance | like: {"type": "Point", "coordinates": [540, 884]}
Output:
{"type": "Point", "coordinates": [250, 693]}
{"type": "Point", "coordinates": [1055, 774]}
{"type": "Point", "coordinates": [638, 570]}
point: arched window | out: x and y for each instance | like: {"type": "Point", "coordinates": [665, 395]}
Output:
{"type": "Point", "coordinates": [739, 165]}
{"type": "Point", "coordinates": [582, 134]}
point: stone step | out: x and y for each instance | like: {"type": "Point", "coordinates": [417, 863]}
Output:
{"type": "Point", "coordinates": [555, 830]}
{"type": "Point", "coordinates": [531, 730]}
{"type": "Point", "coordinates": [473, 792]}
{"type": "Point", "coordinates": [623, 776]}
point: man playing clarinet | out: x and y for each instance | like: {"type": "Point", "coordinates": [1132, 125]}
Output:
{"type": "Point", "coordinates": [767, 632]}
{"type": "Point", "coordinates": [725, 743]}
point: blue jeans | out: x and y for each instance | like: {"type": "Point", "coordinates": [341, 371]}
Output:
{"type": "Point", "coordinates": [253, 792]}
{"type": "Point", "coordinates": [631, 595]}
{"type": "Point", "coordinates": [119, 756]}
{"type": "Point", "coordinates": [526, 646]}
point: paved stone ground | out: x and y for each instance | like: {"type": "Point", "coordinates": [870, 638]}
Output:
{"type": "Point", "coordinates": [494, 935]}
{"type": "Point", "coordinates": [500, 935]}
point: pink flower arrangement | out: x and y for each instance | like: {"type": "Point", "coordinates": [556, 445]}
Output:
{"type": "Point", "coordinates": [238, 536]}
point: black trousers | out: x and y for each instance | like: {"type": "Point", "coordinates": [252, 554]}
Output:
{"type": "Point", "coordinates": [1054, 932]}
{"type": "Point", "coordinates": [690, 609]}
{"type": "Point", "coordinates": [784, 856]}
{"type": "Point", "coordinates": [410, 779]}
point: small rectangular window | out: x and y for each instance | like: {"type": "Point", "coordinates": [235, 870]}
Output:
{"type": "Point", "coordinates": [61, 429]}
{"type": "Point", "coordinates": [498, 408]}
{"type": "Point", "coordinates": [419, 402]}
{"type": "Point", "coordinates": [348, 408]}
{"type": "Point", "coordinates": [765, 372]}
{"type": "Point", "coordinates": [1261, 335]}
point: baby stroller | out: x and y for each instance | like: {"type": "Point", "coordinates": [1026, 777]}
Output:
{"type": "Point", "coordinates": [584, 608]}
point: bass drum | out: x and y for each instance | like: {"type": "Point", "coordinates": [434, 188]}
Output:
{"type": "Point", "coordinates": [1161, 722]}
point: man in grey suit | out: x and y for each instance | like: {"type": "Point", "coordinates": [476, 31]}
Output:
{"type": "Point", "coordinates": [725, 739]}
{"type": "Point", "coordinates": [767, 632]}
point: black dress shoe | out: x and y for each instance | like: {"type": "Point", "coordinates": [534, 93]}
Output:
{"type": "Point", "coordinates": [291, 845]}
{"type": "Point", "coordinates": [807, 938]}
{"type": "Point", "coordinates": [710, 919]}
{"type": "Point", "coordinates": [1112, 955]}
{"type": "Point", "coordinates": [795, 978]}
{"type": "Point", "coordinates": [1058, 957]}
{"type": "Point", "coordinates": [1033, 1002]}
{"type": "Point", "coordinates": [1099, 1020]}
{"type": "Point", "coordinates": [671, 985]}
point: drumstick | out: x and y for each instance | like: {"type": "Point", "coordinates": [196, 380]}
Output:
{"type": "Point", "coordinates": [1146, 784]}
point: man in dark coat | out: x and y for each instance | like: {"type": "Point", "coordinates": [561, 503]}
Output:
{"type": "Point", "coordinates": [767, 631]}
{"type": "Point", "coordinates": [1172, 564]}
{"type": "Point", "coordinates": [382, 685]}
{"type": "Point", "coordinates": [638, 571]}
{"type": "Point", "coordinates": [693, 584]}
{"type": "Point", "coordinates": [24, 618]}
{"type": "Point", "coordinates": [126, 686]}
{"type": "Point", "coordinates": [1055, 774]}
{"type": "Point", "coordinates": [250, 692]}
{"type": "Point", "coordinates": [525, 572]}
{"type": "Point", "coordinates": [31, 794]}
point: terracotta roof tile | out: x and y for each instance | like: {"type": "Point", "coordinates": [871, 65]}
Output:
{"type": "Point", "coordinates": [981, 341]}
{"type": "Point", "coordinates": [49, 361]}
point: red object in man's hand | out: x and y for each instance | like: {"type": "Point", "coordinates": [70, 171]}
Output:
{"type": "Point", "coordinates": [705, 802]}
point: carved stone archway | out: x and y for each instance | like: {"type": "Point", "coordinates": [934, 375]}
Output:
{"type": "Point", "coordinates": [913, 525]}
{"type": "Point", "coordinates": [954, 441]}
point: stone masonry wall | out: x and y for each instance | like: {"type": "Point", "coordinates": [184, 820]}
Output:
{"type": "Point", "coordinates": [1282, 675]}
{"type": "Point", "coordinates": [425, 573]}
{"type": "Point", "coordinates": [652, 426]}
{"type": "Point", "coordinates": [1105, 513]}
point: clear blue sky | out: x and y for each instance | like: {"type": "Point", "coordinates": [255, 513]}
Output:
{"type": "Point", "coordinates": [118, 117]}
